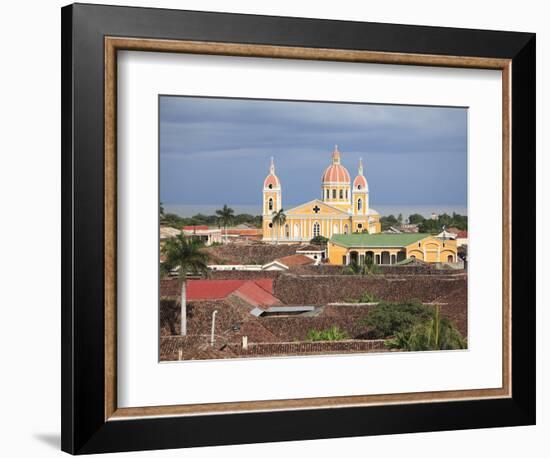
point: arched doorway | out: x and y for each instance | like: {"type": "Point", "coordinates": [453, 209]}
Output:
{"type": "Point", "coordinates": [346, 229]}
{"type": "Point", "coordinates": [296, 231]}
{"type": "Point", "coordinates": [354, 257]}
{"type": "Point", "coordinates": [385, 257]}
{"type": "Point", "coordinates": [369, 258]}
{"type": "Point", "coordinates": [416, 254]}
{"type": "Point", "coordinates": [400, 256]}
{"type": "Point", "coordinates": [287, 231]}
{"type": "Point", "coordinates": [450, 258]}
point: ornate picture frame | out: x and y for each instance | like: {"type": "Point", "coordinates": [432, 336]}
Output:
{"type": "Point", "coordinates": [92, 35]}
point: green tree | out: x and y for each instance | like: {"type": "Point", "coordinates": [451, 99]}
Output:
{"type": "Point", "coordinates": [186, 256]}
{"type": "Point", "coordinates": [279, 218]}
{"type": "Point", "coordinates": [437, 333]}
{"type": "Point", "coordinates": [225, 216]}
{"type": "Point", "coordinates": [333, 333]}
{"type": "Point", "coordinates": [319, 240]}
{"type": "Point", "coordinates": [388, 221]}
{"type": "Point", "coordinates": [430, 226]}
{"type": "Point", "coordinates": [389, 318]}
{"type": "Point", "coordinates": [416, 218]}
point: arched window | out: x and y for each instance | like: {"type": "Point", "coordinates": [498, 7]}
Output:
{"type": "Point", "coordinates": [287, 231]}
{"type": "Point", "coordinates": [316, 229]}
{"type": "Point", "coordinates": [346, 229]}
{"type": "Point", "coordinates": [328, 193]}
{"type": "Point", "coordinates": [341, 193]}
{"type": "Point", "coordinates": [334, 193]}
{"type": "Point", "coordinates": [359, 186]}
{"type": "Point", "coordinates": [270, 203]}
{"type": "Point", "coordinates": [270, 186]}
{"type": "Point", "coordinates": [450, 258]}
{"type": "Point", "coordinates": [347, 194]}
{"type": "Point", "coordinates": [359, 205]}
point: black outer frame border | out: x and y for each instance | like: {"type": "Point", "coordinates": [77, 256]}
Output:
{"type": "Point", "coordinates": [84, 429]}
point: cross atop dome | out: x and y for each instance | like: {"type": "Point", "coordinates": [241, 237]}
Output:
{"type": "Point", "coordinates": [360, 182]}
{"type": "Point", "coordinates": [336, 155]}
{"type": "Point", "coordinates": [272, 181]}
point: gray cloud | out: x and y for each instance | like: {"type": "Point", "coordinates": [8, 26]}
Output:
{"type": "Point", "coordinates": [217, 150]}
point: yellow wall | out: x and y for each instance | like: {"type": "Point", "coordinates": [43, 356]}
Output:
{"type": "Point", "coordinates": [275, 196]}
{"type": "Point", "coordinates": [336, 253]}
{"type": "Point", "coordinates": [341, 202]}
{"type": "Point", "coordinates": [365, 203]}
{"type": "Point", "coordinates": [431, 249]}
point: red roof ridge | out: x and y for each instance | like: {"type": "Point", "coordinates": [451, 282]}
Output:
{"type": "Point", "coordinates": [255, 295]}
{"type": "Point", "coordinates": [295, 260]}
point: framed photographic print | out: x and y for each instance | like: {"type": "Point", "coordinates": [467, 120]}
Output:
{"type": "Point", "coordinates": [282, 228]}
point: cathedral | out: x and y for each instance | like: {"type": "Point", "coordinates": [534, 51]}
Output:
{"type": "Point", "coordinates": [342, 209]}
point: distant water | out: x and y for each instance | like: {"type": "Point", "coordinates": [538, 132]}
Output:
{"type": "Point", "coordinates": [187, 210]}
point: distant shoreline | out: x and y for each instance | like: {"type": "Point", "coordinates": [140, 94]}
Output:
{"type": "Point", "coordinates": [189, 210]}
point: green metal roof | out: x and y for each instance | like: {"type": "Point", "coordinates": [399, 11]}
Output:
{"type": "Point", "coordinates": [377, 240]}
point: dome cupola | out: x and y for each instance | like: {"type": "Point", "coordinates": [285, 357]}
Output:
{"type": "Point", "coordinates": [336, 172]}
{"type": "Point", "coordinates": [272, 181]}
{"type": "Point", "coordinates": [360, 182]}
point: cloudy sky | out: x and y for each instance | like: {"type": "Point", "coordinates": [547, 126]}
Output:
{"type": "Point", "coordinates": [215, 151]}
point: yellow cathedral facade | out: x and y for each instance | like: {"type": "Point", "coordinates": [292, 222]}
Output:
{"type": "Point", "coordinates": [342, 209]}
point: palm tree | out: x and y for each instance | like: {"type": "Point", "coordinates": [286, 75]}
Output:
{"type": "Point", "coordinates": [279, 219]}
{"type": "Point", "coordinates": [225, 216]}
{"type": "Point", "coordinates": [437, 333]}
{"type": "Point", "coordinates": [185, 255]}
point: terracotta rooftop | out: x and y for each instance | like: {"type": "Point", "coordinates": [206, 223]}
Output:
{"type": "Point", "coordinates": [195, 228]}
{"type": "Point", "coordinates": [256, 292]}
{"type": "Point", "coordinates": [247, 231]}
{"type": "Point", "coordinates": [256, 295]}
{"type": "Point", "coordinates": [310, 248]}
{"type": "Point", "coordinates": [296, 260]}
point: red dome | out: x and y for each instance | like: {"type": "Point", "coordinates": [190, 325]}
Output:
{"type": "Point", "coordinates": [360, 182]}
{"type": "Point", "coordinates": [336, 173]}
{"type": "Point", "coordinates": [271, 180]}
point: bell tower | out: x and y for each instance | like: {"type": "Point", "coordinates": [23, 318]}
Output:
{"type": "Point", "coordinates": [360, 193]}
{"type": "Point", "coordinates": [271, 192]}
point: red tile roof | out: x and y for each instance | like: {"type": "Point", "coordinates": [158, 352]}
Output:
{"type": "Point", "coordinates": [220, 289]}
{"type": "Point", "coordinates": [295, 260]}
{"type": "Point", "coordinates": [195, 228]}
{"type": "Point", "coordinates": [462, 235]}
{"type": "Point", "coordinates": [256, 295]}
{"type": "Point", "coordinates": [243, 232]}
